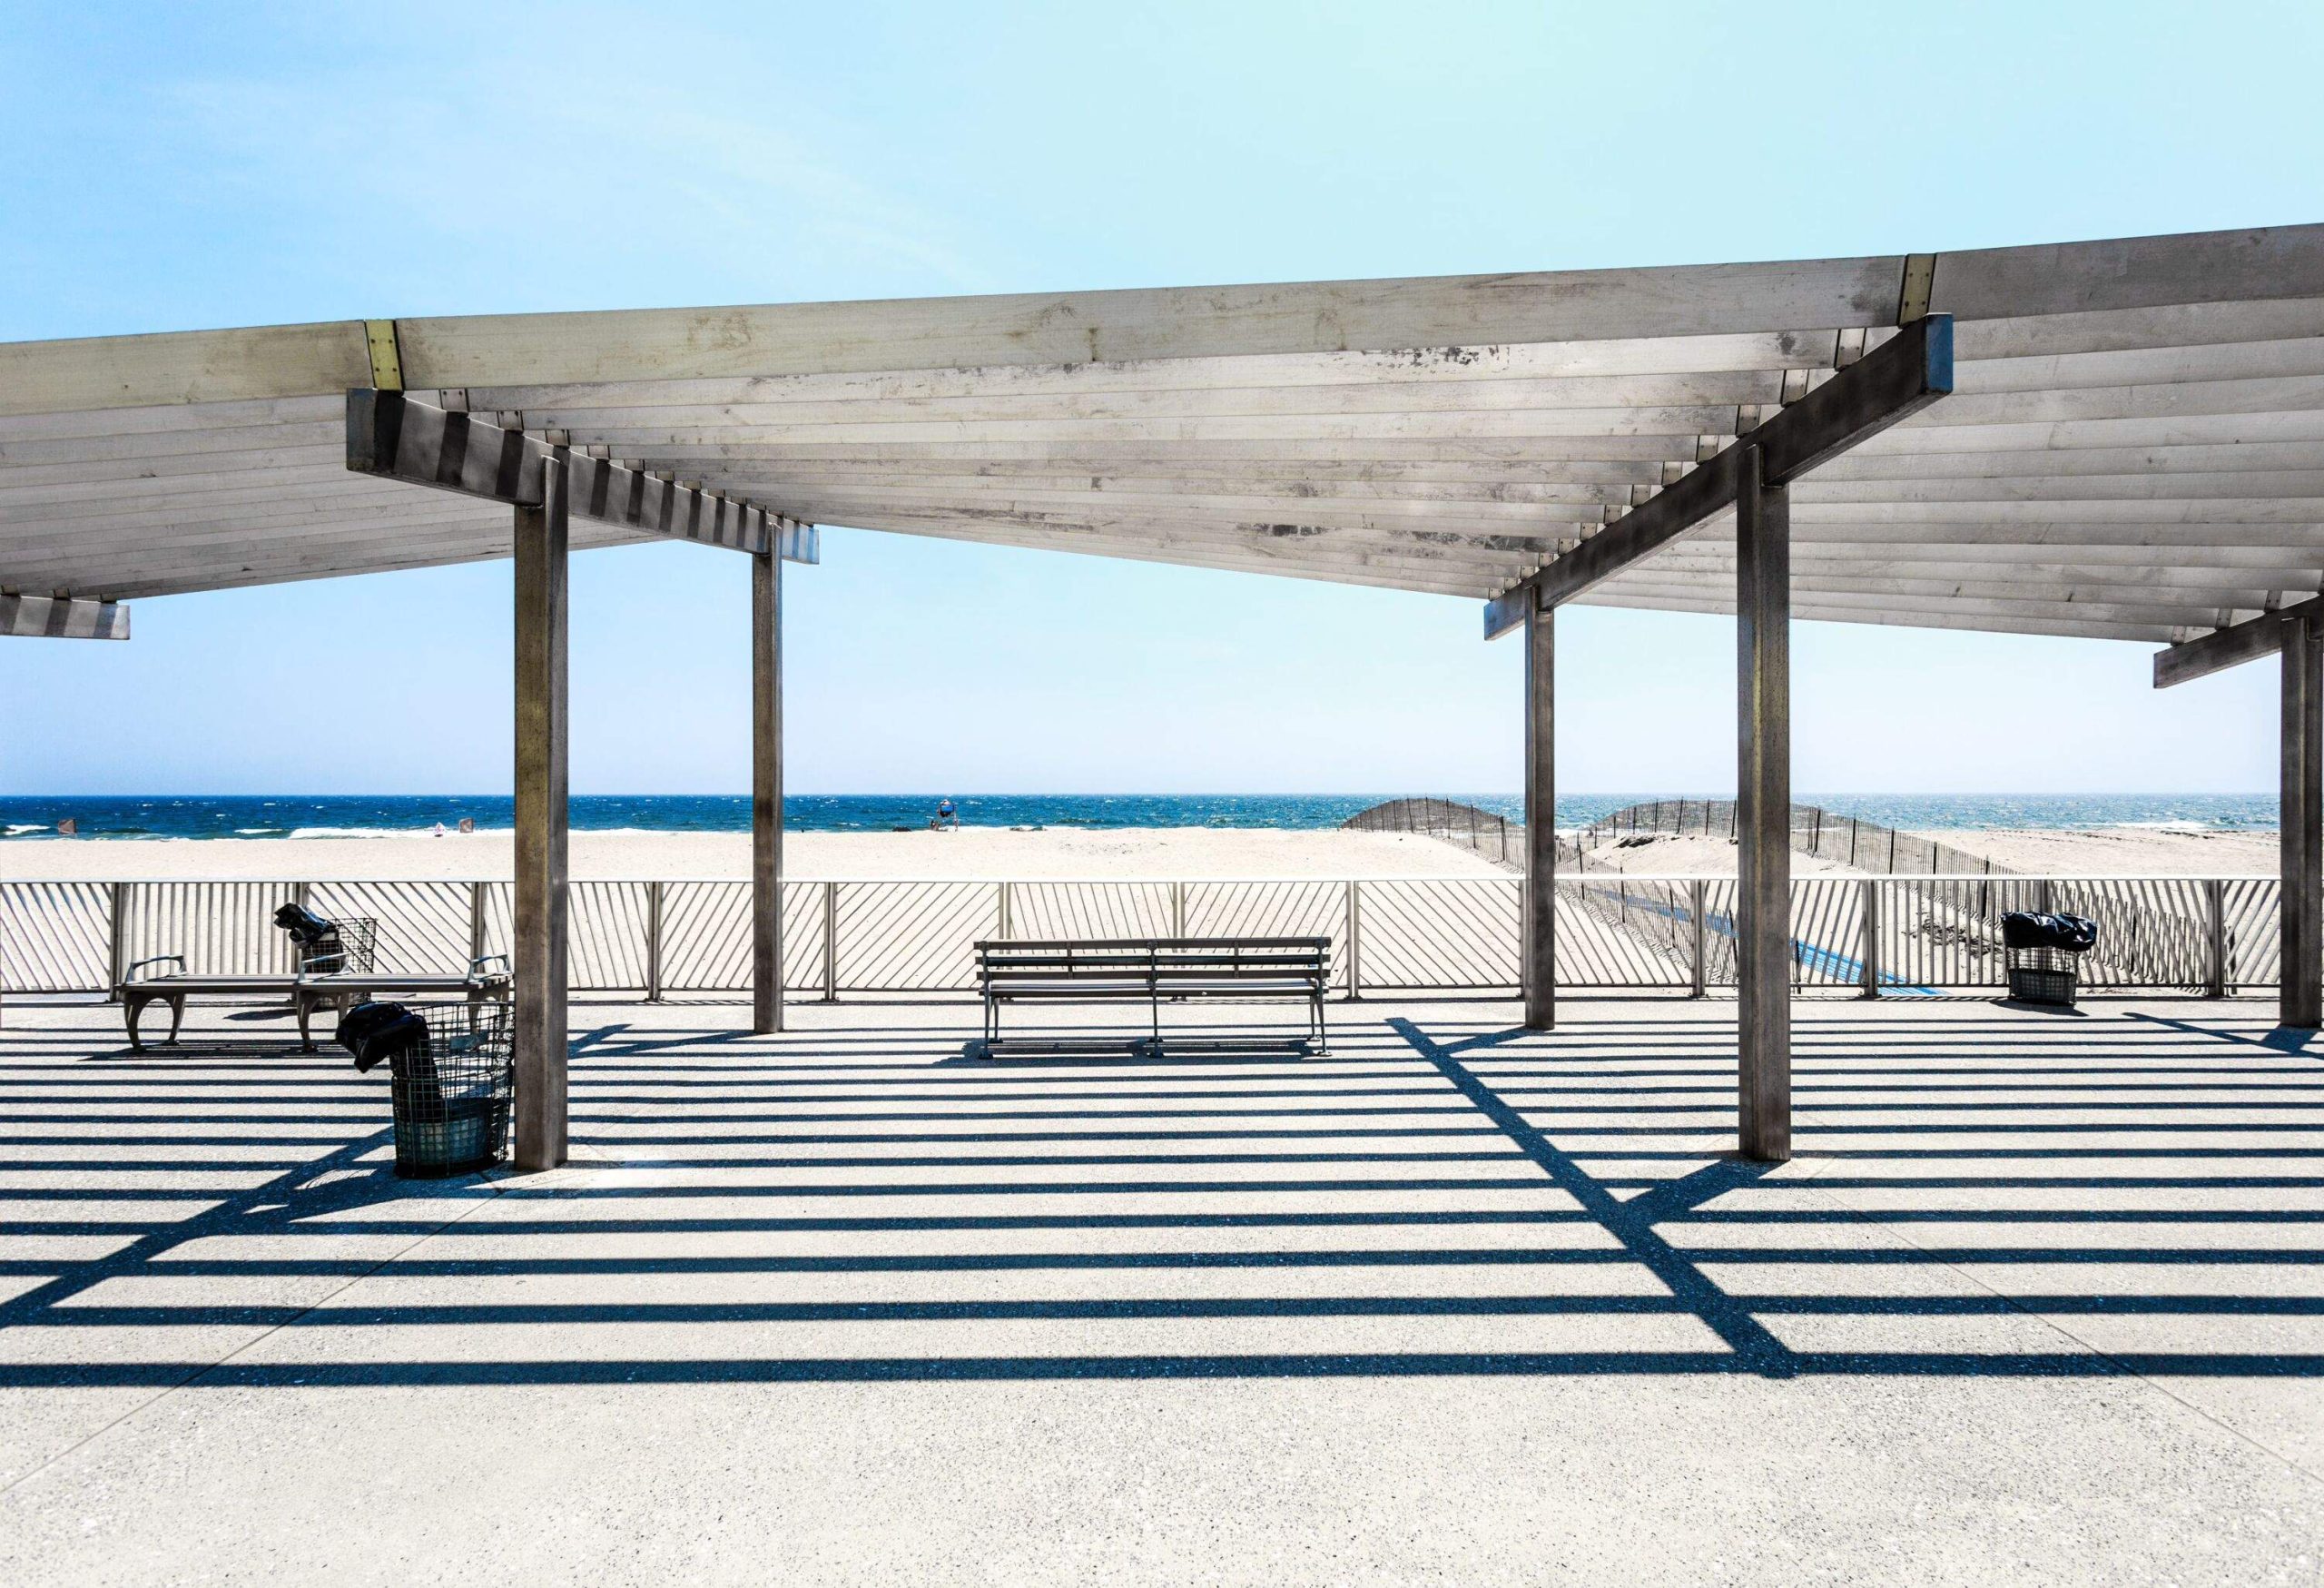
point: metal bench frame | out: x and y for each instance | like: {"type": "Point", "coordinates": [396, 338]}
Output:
{"type": "Point", "coordinates": [1155, 969]}
{"type": "Point", "coordinates": [307, 991]}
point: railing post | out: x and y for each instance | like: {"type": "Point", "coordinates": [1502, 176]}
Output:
{"type": "Point", "coordinates": [2215, 920]}
{"type": "Point", "coordinates": [653, 943]}
{"type": "Point", "coordinates": [1697, 904]}
{"type": "Point", "coordinates": [476, 920]}
{"type": "Point", "coordinates": [1354, 940]}
{"type": "Point", "coordinates": [1177, 909]}
{"type": "Point", "coordinates": [1003, 903]}
{"type": "Point", "coordinates": [117, 941]}
{"type": "Point", "coordinates": [1870, 952]}
{"type": "Point", "coordinates": [830, 943]}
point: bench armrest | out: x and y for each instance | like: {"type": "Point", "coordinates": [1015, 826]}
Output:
{"type": "Point", "coordinates": [478, 967]}
{"type": "Point", "coordinates": [131, 974]}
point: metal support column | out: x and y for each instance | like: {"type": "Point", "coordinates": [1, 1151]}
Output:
{"type": "Point", "coordinates": [766, 792]}
{"type": "Point", "coordinates": [1870, 951]}
{"type": "Point", "coordinates": [2300, 823]}
{"type": "Point", "coordinates": [653, 942]}
{"type": "Point", "coordinates": [1763, 813]}
{"type": "Point", "coordinates": [1540, 821]}
{"type": "Point", "coordinates": [540, 902]}
{"type": "Point", "coordinates": [2215, 927]}
{"type": "Point", "coordinates": [830, 943]}
{"type": "Point", "coordinates": [1699, 927]}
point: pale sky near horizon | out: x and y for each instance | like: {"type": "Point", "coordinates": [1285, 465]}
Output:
{"type": "Point", "coordinates": [178, 167]}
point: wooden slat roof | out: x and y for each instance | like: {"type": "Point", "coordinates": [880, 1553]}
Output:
{"type": "Point", "coordinates": [2134, 450]}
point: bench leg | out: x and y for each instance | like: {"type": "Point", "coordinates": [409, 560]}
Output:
{"type": "Point", "coordinates": [131, 1006]}
{"type": "Point", "coordinates": [306, 1006]}
{"type": "Point", "coordinates": [177, 1017]}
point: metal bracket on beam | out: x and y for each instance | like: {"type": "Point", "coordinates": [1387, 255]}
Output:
{"type": "Point", "coordinates": [1920, 283]}
{"type": "Point", "coordinates": [1897, 379]}
{"type": "Point", "coordinates": [387, 354]}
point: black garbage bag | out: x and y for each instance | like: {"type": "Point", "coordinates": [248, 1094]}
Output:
{"type": "Point", "coordinates": [376, 1031]}
{"type": "Point", "coordinates": [2024, 929]}
{"type": "Point", "coordinates": [304, 925]}
{"type": "Point", "coordinates": [318, 938]}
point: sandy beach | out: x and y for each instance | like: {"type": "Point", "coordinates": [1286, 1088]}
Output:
{"type": "Point", "coordinates": [1181, 853]}
{"type": "Point", "coordinates": [2101, 852]}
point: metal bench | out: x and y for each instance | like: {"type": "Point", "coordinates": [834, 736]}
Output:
{"type": "Point", "coordinates": [1156, 969]}
{"type": "Point", "coordinates": [486, 979]}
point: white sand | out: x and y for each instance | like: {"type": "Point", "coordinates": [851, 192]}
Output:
{"type": "Point", "coordinates": [2039, 851]}
{"type": "Point", "coordinates": [1176, 854]}
{"type": "Point", "coordinates": [2122, 850]}
{"type": "Point", "coordinates": [1669, 854]}
{"type": "Point", "coordinates": [1180, 853]}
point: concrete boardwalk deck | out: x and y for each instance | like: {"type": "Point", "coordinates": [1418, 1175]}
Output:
{"type": "Point", "coordinates": [2042, 1301]}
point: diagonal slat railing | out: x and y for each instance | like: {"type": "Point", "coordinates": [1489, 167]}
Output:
{"type": "Point", "coordinates": [1618, 932]}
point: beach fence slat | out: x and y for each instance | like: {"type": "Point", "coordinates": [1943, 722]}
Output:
{"type": "Point", "coordinates": [1623, 932]}
{"type": "Point", "coordinates": [912, 936]}
{"type": "Point", "coordinates": [1291, 907]}
{"type": "Point", "coordinates": [1088, 909]}
{"type": "Point", "coordinates": [2254, 949]}
{"type": "Point", "coordinates": [499, 934]}
{"type": "Point", "coordinates": [422, 927]}
{"type": "Point", "coordinates": [707, 936]}
{"type": "Point", "coordinates": [1441, 934]}
{"type": "Point", "coordinates": [606, 937]}
{"type": "Point", "coordinates": [1718, 932]}
{"type": "Point", "coordinates": [1826, 932]}
{"type": "Point", "coordinates": [1940, 932]}
{"type": "Point", "coordinates": [223, 929]}
{"type": "Point", "coordinates": [56, 937]}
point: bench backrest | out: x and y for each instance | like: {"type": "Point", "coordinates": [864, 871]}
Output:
{"type": "Point", "coordinates": [1167, 962]}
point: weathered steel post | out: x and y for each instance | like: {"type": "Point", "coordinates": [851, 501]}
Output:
{"type": "Point", "coordinates": [540, 893]}
{"type": "Point", "coordinates": [2300, 823]}
{"type": "Point", "coordinates": [1763, 811]}
{"type": "Point", "coordinates": [1540, 821]}
{"type": "Point", "coordinates": [766, 792]}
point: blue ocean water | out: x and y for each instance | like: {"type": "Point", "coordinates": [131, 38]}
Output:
{"type": "Point", "coordinates": [27, 817]}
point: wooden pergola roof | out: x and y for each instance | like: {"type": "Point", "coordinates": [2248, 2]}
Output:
{"type": "Point", "coordinates": [2135, 447]}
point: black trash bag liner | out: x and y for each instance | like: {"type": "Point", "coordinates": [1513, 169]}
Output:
{"type": "Point", "coordinates": [374, 1032]}
{"type": "Point", "coordinates": [317, 937]}
{"type": "Point", "coordinates": [304, 925]}
{"type": "Point", "coordinates": [2023, 929]}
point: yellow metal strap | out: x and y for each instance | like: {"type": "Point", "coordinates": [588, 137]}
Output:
{"type": "Point", "coordinates": [1920, 279]}
{"type": "Point", "coordinates": [387, 358]}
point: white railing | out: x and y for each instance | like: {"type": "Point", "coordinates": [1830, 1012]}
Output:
{"type": "Point", "coordinates": [1887, 934]}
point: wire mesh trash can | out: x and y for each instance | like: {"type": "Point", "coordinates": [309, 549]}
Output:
{"type": "Point", "coordinates": [452, 1091]}
{"type": "Point", "coordinates": [2044, 975]}
{"type": "Point", "coordinates": [2043, 955]}
{"type": "Point", "coordinates": [350, 945]}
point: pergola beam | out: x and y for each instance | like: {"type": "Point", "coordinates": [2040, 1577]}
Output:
{"type": "Point", "coordinates": [1898, 380]}
{"type": "Point", "coordinates": [393, 437]}
{"type": "Point", "coordinates": [62, 617]}
{"type": "Point", "coordinates": [2233, 646]}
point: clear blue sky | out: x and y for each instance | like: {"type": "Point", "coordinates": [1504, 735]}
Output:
{"type": "Point", "coordinates": [181, 166]}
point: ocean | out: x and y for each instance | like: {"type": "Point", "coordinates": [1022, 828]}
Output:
{"type": "Point", "coordinates": [27, 817]}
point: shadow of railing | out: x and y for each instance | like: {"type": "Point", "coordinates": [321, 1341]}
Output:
{"type": "Point", "coordinates": [1977, 1196]}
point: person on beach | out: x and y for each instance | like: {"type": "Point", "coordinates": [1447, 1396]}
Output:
{"type": "Point", "coordinates": [946, 817]}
